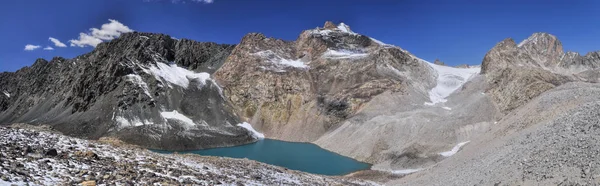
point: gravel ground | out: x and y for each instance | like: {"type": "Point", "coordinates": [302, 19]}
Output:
{"type": "Point", "coordinates": [31, 157]}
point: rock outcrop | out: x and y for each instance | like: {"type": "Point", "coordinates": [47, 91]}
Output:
{"type": "Point", "coordinates": [146, 89]}
{"type": "Point", "coordinates": [518, 73]}
{"type": "Point", "coordinates": [299, 90]}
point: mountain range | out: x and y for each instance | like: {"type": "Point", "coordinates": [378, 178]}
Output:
{"type": "Point", "coordinates": [344, 91]}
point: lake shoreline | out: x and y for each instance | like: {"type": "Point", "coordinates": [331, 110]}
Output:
{"type": "Point", "coordinates": [305, 153]}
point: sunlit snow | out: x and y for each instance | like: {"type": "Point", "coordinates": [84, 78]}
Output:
{"type": "Point", "coordinates": [344, 54]}
{"type": "Point", "coordinates": [449, 79]}
{"type": "Point", "coordinates": [345, 28]}
{"type": "Point", "coordinates": [401, 171]}
{"type": "Point", "coordinates": [278, 60]}
{"type": "Point", "coordinates": [131, 122]}
{"type": "Point", "coordinates": [136, 79]}
{"type": "Point", "coordinates": [255, 133]}
{"type": "Point", "coordinates": [178, 116]}
{"type": "Point", "coordinates": [6, 94]}
{"type": "Point", "coordinates": [177, 75]}
{"type": "Point", "coordinates": [454, 150]}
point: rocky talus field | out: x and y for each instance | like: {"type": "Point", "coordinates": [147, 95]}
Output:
{"type": "Point", "coordinates": [43, 157]}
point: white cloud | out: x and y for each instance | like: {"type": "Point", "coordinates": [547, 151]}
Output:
{"type": "Point", "coordinates": [96, 36]}
{"type": "Point", "coordinates": [31, 47]}
{"type": "Point", "coordinates": [57, 42]}
{"type": "Point", "coordinates": [48, 48]}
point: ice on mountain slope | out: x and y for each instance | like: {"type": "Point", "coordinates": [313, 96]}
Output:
{"type": "Point", "coordinates": [279, 61]}
{"type": "Point", "coordinates": [344, 54]}
{"type": "Point", "coordinates": [6, 94]}
{"type": "Point", "coordinates": [454, 150]}
{"type": "Point", "coordinates": [340, 28]}
{"type": "Point", "coordinates": [345, 28]}
{"type": "Point", "coordinates": [449, 79]}
{"type": "Point", "coordinates": [401, 171]}
{"type": "Point", "coordinates": [178, 116]}
{"type": "Point", "coordinates": [382, 43]}
{"type": "Point", "coordinates": [124, 122]}
{"type": "Point", "coordinates": [177, 75]}
{"type": "Point", "coordinates": [255, 133]}
{"type": "Point", "coordinates": [136, 79]}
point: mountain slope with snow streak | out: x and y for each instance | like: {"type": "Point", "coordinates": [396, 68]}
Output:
{"type": "Point", "coordinates": [449, 79]}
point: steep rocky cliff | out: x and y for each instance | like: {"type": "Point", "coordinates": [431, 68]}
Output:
{"type": "Point", "coordinates": [299, 90]}
{"type": "Point", "coordinates": [146, 89]}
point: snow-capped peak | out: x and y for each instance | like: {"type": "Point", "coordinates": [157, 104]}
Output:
{"type": "Point", "coordinates": [345, 28]}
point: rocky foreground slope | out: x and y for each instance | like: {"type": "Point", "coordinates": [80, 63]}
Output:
{"type": "Point", "coordinates": [47, 158]}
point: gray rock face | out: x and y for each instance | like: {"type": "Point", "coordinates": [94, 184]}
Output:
{"type": "Point", "coordinates": [146, 89]}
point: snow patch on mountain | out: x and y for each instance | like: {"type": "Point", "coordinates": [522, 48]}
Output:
{"type": "Point", "coordinates": [277, 60]}
{"type": "Point", "coordinates": [137, 79]}
{"type": "Point", "coordinates": [124, 122]}
{"type": "Point", "coordinates": [344, 54]}
{"type": "Point", "coordinates": [177, 75]}
{"type": "Point", "coordinates": [382, 43]}
{"type": "Point", "coordinates": [345, 28]}
{"type": "Point", "coordinates": [255, 133]}
{"type": "Point", "coordinates": [449, 79]}
{"type": "Point", "coordinates": [454, 150]}
{"type": "Point", "coordinates": [401, 171]}
{"type": "Point", "coordinates": [131, 122]}
{"type": "Point", "coordinates": [6, 94]}
{"type": "Point", "coordinates": [341, 28]}
{"type": "Point", "coordinates": [178, 116]}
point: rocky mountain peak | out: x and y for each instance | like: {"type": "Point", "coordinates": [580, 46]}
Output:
{"type": "Point", "coordinates": [340, 27]}
{"type": "Point", "coordinates": [39, 62]}
{"type": "Point", "coordinates": [438, 62]}
{"type": "Point", "coordinates": [329, 25]}
{"type": "Point", "coordinates": [538, 38]}
{"type": "Point", "coordinates": [544, 47]}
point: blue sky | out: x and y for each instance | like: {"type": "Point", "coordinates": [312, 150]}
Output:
{"type": "Point", "coordinates": [456, 32]}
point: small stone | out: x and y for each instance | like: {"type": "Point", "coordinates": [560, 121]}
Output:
{"type": "Point", "coordinates": [27, 150]}
{"type": "Point", "coordinates": [106, 177]}
{"type": "Point", "coordinates": [4, 178]}
{"type": "Point", "coordinates": [89, 183]}
{"type": "Point", "coordinates": [51, 152]}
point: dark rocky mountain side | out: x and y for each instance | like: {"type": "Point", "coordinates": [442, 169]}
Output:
{"type": "Point", "coordinates": [146, 89]}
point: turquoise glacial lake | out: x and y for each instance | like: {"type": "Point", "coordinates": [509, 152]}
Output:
{"type": "Point", "coordinates": [304, 157]}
